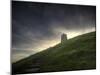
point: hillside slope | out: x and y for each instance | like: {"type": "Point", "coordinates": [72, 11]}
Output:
{"type": "Point", "coordinates": [78, 53]}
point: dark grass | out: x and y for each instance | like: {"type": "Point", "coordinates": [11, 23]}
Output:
{"type": "Point", "coordinates": [78, 53]}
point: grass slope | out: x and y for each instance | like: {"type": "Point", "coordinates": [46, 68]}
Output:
{"type": "Point", "coordinates": [78, 53]}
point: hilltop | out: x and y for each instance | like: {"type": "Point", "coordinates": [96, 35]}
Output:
{"type": "Point", "coordinates": [78, 53]}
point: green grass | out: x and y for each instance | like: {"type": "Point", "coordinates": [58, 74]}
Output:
{"type": "Point", "coordinates": [78, 53]}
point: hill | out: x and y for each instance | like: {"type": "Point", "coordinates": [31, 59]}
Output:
{"type": "Point", "coordinates": [78, 53]}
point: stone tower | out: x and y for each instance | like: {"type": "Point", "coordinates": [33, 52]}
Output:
{"type": "Point", "coordinates": [63, 38]}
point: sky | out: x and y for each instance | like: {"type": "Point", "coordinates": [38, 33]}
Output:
{"type": "Point", "coordinates": [38, 26]}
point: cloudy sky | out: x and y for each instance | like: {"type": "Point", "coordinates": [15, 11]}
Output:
{"type": "Point", "coordinates": [37, 26]}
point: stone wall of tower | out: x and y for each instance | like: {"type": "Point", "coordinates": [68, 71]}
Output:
{"type": "Point", "coordinates": [63, 38]}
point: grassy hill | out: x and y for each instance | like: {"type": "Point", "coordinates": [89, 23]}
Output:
{"type": "Point", "coordinates": [78, 53]}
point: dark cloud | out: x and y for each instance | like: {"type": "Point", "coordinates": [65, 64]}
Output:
{"type": "Point", "coordinates": [35, 24]}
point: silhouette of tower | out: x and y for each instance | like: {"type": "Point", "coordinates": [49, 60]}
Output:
{"type": "Point", "coordinates": [63, 38]}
